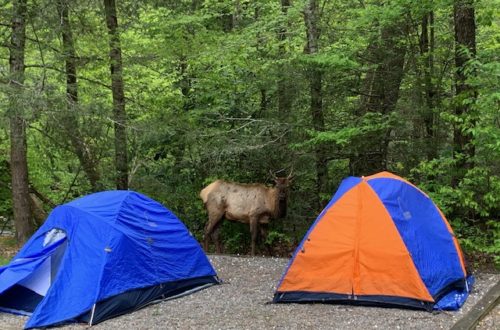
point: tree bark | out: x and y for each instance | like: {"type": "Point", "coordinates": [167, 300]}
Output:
{"type": "Point", "coordinates": [70, 119]}
{"type": "Point", "coordinates": [178, 149]}
{"type": "Point", "coordinates": [465, 50]}
{"type": "Point", "coordinates": [237, 14]}
{"type": "Point", "coordinates": [311, 19]}
{"type": "Point", "coordinates": [380, 93]}
{"type": "Point", "coordinates": [18, 146]}
{"type": "Point", "coordinates": [284, 86]}
{"type": "Point", "coordinates": [264, 100]}
{"type": "Point", "coordinates": [427, 53]}
{"type": "Point", "coordinates": [120, 116]}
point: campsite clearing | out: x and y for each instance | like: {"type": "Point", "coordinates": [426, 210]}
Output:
{"type": "Point", "coordinates": [241, 303]}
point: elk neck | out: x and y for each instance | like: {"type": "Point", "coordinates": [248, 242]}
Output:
{"type": "Point", "coordinates": [281, 203]}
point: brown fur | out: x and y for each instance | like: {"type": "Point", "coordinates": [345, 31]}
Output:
{"type": "Point", "coordinates": [247, 203]}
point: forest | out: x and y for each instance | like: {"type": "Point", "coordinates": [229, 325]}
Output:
{"type": "Point", "coordinates": [164, 97]}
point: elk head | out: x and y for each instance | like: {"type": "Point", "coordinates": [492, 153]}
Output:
{"type": "Point", "coordinates": [282, 184]}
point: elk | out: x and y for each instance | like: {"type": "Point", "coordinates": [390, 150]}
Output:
{"type": "Point", "coordinates": [253, 203]}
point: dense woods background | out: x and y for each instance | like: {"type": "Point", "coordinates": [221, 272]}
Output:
{"type": "Point", "coordinates": [163, 97]}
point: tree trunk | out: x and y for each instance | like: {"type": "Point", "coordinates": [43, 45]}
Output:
{"type": "Point", "coordinates": [284, 86]}
{"type": "Point", "coordinates": [37, 212]}
{"type": "Point", "coordinates": [237, 14]}
{"type": "Point", "coordinates": [427, 53]}
{"type": "Point", "coordinates": [465, 50]}
{"type": "Point", "coordinates": [264, 101]}
{"type": "Point", "coordinates": [120, 116]}
{"type": "Point", "coordinates": [178, 149]}
{"type": "Point", "coordinates": [380, 93]}
{"type": "Point", "coordinates": [311, 18]}
{"type": "Point", "coordinates": [70, 120]}
{"type": "Point", "coordinates": [18, 146]}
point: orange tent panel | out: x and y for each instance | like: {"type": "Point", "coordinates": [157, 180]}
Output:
{"type": "Point", "coordinates": [365, 253]}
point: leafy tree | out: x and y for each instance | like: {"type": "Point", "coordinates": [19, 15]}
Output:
{"type": "Point", "coordinates": [233, 89]}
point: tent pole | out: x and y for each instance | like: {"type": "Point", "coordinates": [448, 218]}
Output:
{"type": "Point", "coordinates": [92, 315]}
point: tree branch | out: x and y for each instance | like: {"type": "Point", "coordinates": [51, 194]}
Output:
{"type": "Point", "coordinates": [48, 67]}
{"type": "Point", "coordinates": [42, 197]}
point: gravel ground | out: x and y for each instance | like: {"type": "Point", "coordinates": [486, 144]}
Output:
{"type": "Point", "coordinates": [491, 321]}
{"type": "Point", "coordinates": [240, 303]}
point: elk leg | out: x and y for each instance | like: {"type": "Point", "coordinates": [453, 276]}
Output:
{"type": "Point", "coordinates": [263, 232]}
{"type": "Point", "coordinates": [215, 238]}
{"type": "Point", "coordinates": [206, 236]}
{"type": "Point", "coordinates": [254, 229]}
{"type": "Point", "coordinates": [212, 224]}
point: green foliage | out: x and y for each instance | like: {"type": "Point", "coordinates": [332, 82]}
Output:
{"type": "Point", "coordinates": [369, 124]}
{"type": "Point", "coordinates": [480, 239]}
{"type": "Point", "coordinates": [472, 207]}
{"type": "Point", "coordinates": [235, 236]}
{"type": "Point", "coordinates": [9, 242]}
{"type": "Point", "coordinates": [204, 82]}
{"type": "Point", "coordinates": [3, 261]}
{"type": "Point", "coordinates": [277, 238]}
{"type": "Point", "coordinates": [5, 193]}
{"type": "Point", "coordinates": [8, 246]}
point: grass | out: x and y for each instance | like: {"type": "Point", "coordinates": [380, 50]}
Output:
{"type": "Point", "coordinates": [8, 247]}
{"type": "Point", "coordinates": [3, 260]}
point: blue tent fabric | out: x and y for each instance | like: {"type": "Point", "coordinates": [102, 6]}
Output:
{"type": "Point", "coordinates": [455, 299]}
{"type": "Point", "coordinates": [118, 241]}
{"type": "Point", "coordinates": [423, 231]}
{"type": "Point", "coordinates": [21, 268]}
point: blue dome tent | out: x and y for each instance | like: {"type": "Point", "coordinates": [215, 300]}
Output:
{"type": "Point", "coordinates": [100, 256]}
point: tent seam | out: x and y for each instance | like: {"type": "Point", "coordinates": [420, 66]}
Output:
{"type": "Point", "coordinates": [419, 277]}
{"type": "Point", "coordinates": [309, 231]}
{"type": "Point", "coordinates": [105, 256]}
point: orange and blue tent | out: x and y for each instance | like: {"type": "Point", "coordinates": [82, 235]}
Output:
{"type": "Point", "coordinates": [380, 241]}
